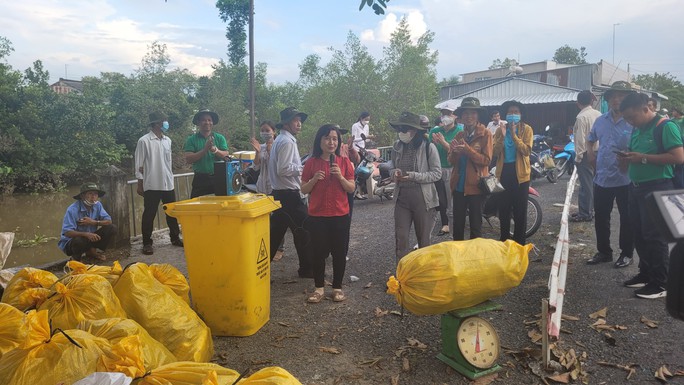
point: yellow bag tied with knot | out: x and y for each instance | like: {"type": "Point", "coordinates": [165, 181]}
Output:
{"type": "Point", "coordinates": [457, 274]}
{"type": "Point", "coordinates": [154, 353]}
{"type": "Point", "coordinates": [28, 288]}
{"type": "Point", "coordinates": [165, 316]}
{"type": "Point", "coordinates": [12, 328]}
{"type": "Point", "coordinates": [110, 273]}
{"type": "Point", "coordinates": [170, 276]}
{"type": "Point", "coordinates": [46, 358]}
{"type": "Point", "coordinates": [271, 376]}
{"type": "Point", "coordinates": [190, 373]}
{"type": "Point", "coordinates": [84, 297]}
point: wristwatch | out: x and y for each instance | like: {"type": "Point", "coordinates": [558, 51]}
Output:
{"type": "Point", "coordinates": [644, 160]}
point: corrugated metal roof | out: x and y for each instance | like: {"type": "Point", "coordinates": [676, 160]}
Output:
{"type": "Point", "coordinates": [522, 90]}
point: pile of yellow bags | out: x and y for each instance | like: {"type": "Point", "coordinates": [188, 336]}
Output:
{"type": "Point", "coordinates": [136, 321]}
{"type": "Point", "coordinates": [458, 274]}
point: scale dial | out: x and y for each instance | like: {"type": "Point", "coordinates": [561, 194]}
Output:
{"type": "Point", "coordinates": [478, 342]}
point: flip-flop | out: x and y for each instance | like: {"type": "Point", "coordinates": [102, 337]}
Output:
{"type": "Point", "coordinates": [315, 297]}
{"type": "Point", "coordinates": [338, 296]}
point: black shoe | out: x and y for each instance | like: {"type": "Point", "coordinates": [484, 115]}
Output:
{"type": "Point", "coordinates": [636, 281]}
{"type": "Point", "coordinates": [581, 219]}
{"type": "Point", "coordinates": [651, 291]}
{"type": "Point", "coordinates": [599, 258]}
{"type": "Point", "coordinates": [305, 273]}
{"type": "Point", "coordinates": [623, 261]}
{"type": "Point", "coordinates": [177, 242]}
{"type": "Point", "coordinates": [148, 250]}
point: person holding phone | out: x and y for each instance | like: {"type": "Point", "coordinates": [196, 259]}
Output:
{"type": "Point", "coordinates": [328, 178]}
{"type": "Point", "coordinates": [202, 149]}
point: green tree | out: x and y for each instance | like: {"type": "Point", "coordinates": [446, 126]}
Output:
{"type": "Point", "coordinates": [378, 6]}
{"type": "Point", "coordinates": [451, 80]}
{"type": "Point", "coordinates": [569, 55]}
{"type": "Point", "coordinates": [666, 84]}
{"type": "Point", "coordinates": [505, 63]}
{"type": "Point", "coordinates": [236, 14]}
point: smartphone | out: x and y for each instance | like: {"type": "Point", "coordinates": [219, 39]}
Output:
{"type": "Point", "coordinates": [620, 153]}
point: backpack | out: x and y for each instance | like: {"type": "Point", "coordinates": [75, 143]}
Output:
{"type": "Point", "coordinates": [658, 134]}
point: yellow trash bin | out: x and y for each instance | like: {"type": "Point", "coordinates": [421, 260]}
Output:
{"type": "Point", "coordinates": [227, 250]}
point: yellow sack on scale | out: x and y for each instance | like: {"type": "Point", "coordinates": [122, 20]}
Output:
{"type": "Point", "coordinates": [458, 274]}
{"type": "Point", "coordinates": [28, 288]}
{"type": "Point", "coordinates": [190, 373]}
{"type": "Point", "coordinates": [173, 278]}
{"type": "Point", "coordinates": [110, 273]}
{"type": "Point", "coordinates": [84, 297]}
{"type": "Point", "coordinates": [164, 314]}
{"type": "Point", "coordinates": [12, 328]}
{"type": "Point", "coordinates": [271, 376]}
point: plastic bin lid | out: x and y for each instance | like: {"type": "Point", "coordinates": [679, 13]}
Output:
{"type": "Point", "coordinates": [245, 205]}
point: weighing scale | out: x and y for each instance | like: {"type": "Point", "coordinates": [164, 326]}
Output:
{"type": "Point", "coordinates": [470, 344]}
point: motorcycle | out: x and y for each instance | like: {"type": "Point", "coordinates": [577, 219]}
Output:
{"type": "Point", "coordinates": [565, 158]}
{"type": "Point", "coordinates": [364, 175]}
{"type": "Point", "coordinates": [541, 162]}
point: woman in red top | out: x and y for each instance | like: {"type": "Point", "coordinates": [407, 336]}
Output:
{"type": "Point", "coordinates": [327, 178]}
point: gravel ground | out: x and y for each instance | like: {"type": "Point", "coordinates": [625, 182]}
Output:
{"type": "Point", "coordinates": [365, 340]}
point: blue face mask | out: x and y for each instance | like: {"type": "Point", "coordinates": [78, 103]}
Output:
{"type": "Point", "coordinates": [165, 126]}
{"type": "Point", "coordinates": [513, 118]}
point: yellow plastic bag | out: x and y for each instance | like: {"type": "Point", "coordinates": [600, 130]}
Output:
{"type": "Point", "coordinates": [173, 278]}
{"type": "Point", "coordinates": [28, 278]}
{"type": "Point", "coordinates": [163, 314]}
{"type": "Point", "coordinates": [190, 373]}
{"type": "Point", "coordinates": [125, 357]}
{"type": "Point", "coordinates": [110, 273]}
{"type": "Point", "coordinates": [154, 353]}
{"type": "Point", "coordinates": [458, 274]}
{"type": "Point", "coordinates": [12, 328]}
{"type": "Point", "coordinates": [84, 297]}
{"type": "Point", "coordinates": [271, 376]}
{"type": "Point", "coordinates": [48, 360]}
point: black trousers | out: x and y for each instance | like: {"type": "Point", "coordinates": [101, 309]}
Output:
{"type": "Point", "coordinates": [604, 200]}
{"type": "Point", "coordinates": [513, 200]}
{"type": "Point", "coordinates": [79, 245]}
{"type": "Point", "coordinates": [292, 215]}
{"type": "Point", "coordinates": [202, 184]}
{"type": "Point", "coordinates": [151, 199]}
{"type": "Point", "coordinates": [329, 236]}
{"type": "Point", "coordinates": [473, 205]}
{"type": "Point", "coordinates": [443, 202]}
{"type": "Point", "coordinates": [654, 255]}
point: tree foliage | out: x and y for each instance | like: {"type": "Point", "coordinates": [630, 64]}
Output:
{"type": "Point", "coordinates": [378, 6]}
{"type": "Point", "coordinates": [666, 84]}
{"type": "Point", "coordinates": [569, 55]}
{"type": "Point", "coordinates": [236, 14]}
{"type": "Point", "coordinates": [505, 63]}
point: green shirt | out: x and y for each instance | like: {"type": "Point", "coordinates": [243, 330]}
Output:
{"type": "Point", "coordinates": [195, 143]}
{"type": "Point", "coordinates": [642, 141]}
{"type": "Point", "coordinates": [448, 136]}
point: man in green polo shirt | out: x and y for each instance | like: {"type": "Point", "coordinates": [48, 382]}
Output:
{"type": "Point", "coordinates": [441, 136]}
{"type": "Point", "coordinates": [202, 149]}
{"type": "Point", "coordinates": [650, 161]}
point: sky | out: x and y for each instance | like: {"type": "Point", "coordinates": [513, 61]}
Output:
{"type": "Point", "coordinates": [76, 38]}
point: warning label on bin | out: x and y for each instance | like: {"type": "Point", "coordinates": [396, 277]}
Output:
{"type": "Point", "coordinates": [262, 261]}
{"type": "Point", "coordinates": [263, 254]}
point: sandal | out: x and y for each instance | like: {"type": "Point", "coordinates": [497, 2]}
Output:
{"type": "Point", "coordinates": [338, 296]}
{"type": "Point", "coordinates": [315, 297]}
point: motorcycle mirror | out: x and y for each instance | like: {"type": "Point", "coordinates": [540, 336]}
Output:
{"type": "Point", "coordinates": [547, 128]}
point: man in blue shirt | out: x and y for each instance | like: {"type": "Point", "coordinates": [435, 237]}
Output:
{"type": "Point", "coordinates": [86, 227]}
{"type": "Point", "coordinates": [611, 184]}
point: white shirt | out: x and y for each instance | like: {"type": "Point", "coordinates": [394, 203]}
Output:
{"type": "Point", "coordinates": [585, 120]}
{"type": "Point", "coordinates": [153, 156]}
{"type": "Point", "coordinates": [492, 126]}
{"type": "Point", "coordinates": [357, 129]}
{"type": "Point", "coordinates": [285, 164]}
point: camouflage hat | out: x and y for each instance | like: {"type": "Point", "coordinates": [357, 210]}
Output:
{"type": "Point", "coordinates": [469, 103]}
{"type": "Point", "coordinates": [89, 186]}
{"type": "Point", "coordinates": [618, 86]}
{"type": "Point", "coordinates": [407, 119]}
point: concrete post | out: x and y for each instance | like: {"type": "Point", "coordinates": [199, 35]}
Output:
{"type": "Point", "coordinates": [113, 182]}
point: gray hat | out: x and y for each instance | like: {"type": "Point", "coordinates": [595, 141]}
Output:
{"type": "Point", "coordinates": [156, 117]}
{"type": "Point", "coordinates": [89, 186]}
{"type": "Point", "coordinates": [619, 86]}
{"type": "Point", "coordinates": [202, 111]}
{"type": "Point", "coordinates": [469, 103]}
{"type": "Point", "coordinates": [408, 119]}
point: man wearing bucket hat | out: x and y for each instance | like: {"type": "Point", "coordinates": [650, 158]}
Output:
{"type": "Point", "coordinates": [417, 168]}
{"type": "Point", "coordinates": [202, 149]}
{"type": "Point", "coordinates": [86, 227]}
{"type": "Point", "coordinates": [470, 155]}
{"type": "Point", "coordinates": [285, 170]}
{"type": "Point", "coordinates": [611, 184]}
{"type": "Point", "coordinates": [155, 178]}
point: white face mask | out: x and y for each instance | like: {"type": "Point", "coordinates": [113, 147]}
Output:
{"type": "Point", "coordinates": [447, 120]}
{"type": "Point", "coordinates": [405, 136]}
{"type": "Point", "coordinates": [266, 136]}
{"type": "Point", "coordinates": [89, 203]}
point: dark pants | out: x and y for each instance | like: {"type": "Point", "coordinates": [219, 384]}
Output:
{"type": "Point", "coordinates": [604, 200]}
{"type": "Point", "coordinates": [202, 184]}
{"type": "Point", "coordinates": [79, 245]}
{"type": "Point", "coordinates": [151, 202]}
{"type": "Point", "coordinates": [678, 179]}
{"type": "Point", "coordinates": [473, 205]}
{"type": "Point", "coordinates": [350, 198]}
{"type": "Point", "coordinates": [291, 215]}
{"type": "Point", "coordinates": [654, 257]}
{"type": "Point", "coordinates": [329, 236]}
{"type": "Point", "coordinates": [514, 200]}
{"type": "Point", "coordinates": [443, 202]}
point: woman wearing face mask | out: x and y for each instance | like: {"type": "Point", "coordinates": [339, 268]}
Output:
{"type": "Point", "coordinates": [417, 168]}
{"type": "Point", "coordinates": [512, 146]}
{"type": "Point", "coordinates": [441, 136]}
{"type": "Point", "coordinates": [360, 132]}
{"type": "Point", "coordinates": [267, 134]}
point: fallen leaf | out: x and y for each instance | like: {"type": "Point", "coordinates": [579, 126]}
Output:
{"type": "Point", "coordinates": [329, 350]}
{"type": "Point", "coordinates": [600, 313]}
{"type": "Point", "coordinates": [371, 362]}
{"type": "Point", "coordinates": [287, 325]}
{"type": "Point", "coordinates": [563, 378]}
{"type": "Point", "coordinates": [415, 343]}
{"type": "Point", "coordinates": [396, 312]}
{"type": "Point", "coordinates": [569, 317]}
{"type": "Point", "coordinates": [395, 380]}
{"type": "Point", "coordinates": [380, 313]}
{"type": "Point", "coordinates": [405, 365]}
{"type": "Point", "coordinates": [650, 323]}
{"type": "Point", "coordinates": [630, 368]}
{"type": "Point", "coordinates": [534, 335]}
{"type": "Point", "coordinates": [609, 338]}
{"type": "Point", "coordinates": [369, 284]}
{"type": "Point", "coordinates": [662, 373]}
{"type": "Point", "coordinates": [598, 322]}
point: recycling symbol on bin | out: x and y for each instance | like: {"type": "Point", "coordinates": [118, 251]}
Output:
{"type": "Point", "coordinates": [262, 252]}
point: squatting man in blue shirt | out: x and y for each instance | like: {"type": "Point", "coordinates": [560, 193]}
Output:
{"type": "Point", "coordinates": [87, 228]}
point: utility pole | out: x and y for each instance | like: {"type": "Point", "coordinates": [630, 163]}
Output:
{"type": "Point", "coordinates": [614, 25]}
{"type": "Point", "coordinates": [251, 68]}
{"type": "Point", "coordinates": [65, 72]}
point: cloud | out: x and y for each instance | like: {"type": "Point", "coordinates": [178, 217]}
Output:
{"type": "Point", "coordinates": [383, 31]}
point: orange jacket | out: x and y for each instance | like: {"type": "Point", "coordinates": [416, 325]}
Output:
{"type": "Point", "coordinates": [479, 153]}
{"type": "Point", "coordinates": [523, 144]}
